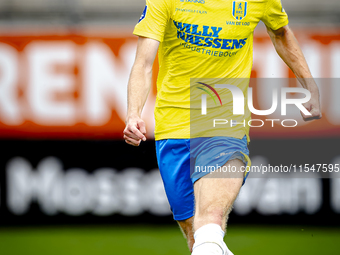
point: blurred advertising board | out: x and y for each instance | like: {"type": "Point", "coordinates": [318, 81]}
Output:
{"type": "Point", "coordinates": [103, 182]}
{"type": "Point", "coordinates": [74, 86]}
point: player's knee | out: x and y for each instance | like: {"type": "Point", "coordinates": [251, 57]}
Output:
{"type": "Point", "coordinates": [213, 212]}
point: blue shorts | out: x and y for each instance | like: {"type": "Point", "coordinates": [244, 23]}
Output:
{"type": "Point", "coordinates": [174, 157]}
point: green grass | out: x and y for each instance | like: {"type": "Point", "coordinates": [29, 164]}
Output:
{"type": "Point", "coordinates": [164, 240]}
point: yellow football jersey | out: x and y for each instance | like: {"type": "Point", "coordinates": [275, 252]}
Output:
{"type": "Point", "coordinates": [202, 42]}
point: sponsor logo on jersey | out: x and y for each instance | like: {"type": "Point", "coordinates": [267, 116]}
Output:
{"type": "Point", "coordinates": [143, 14]}
{"type": "Point", "coordinates": [207, 36]}
{"type": "Point", "coordinates": [239, 9]}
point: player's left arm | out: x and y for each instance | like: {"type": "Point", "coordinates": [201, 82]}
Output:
{"type": "Point", "coordinates": [289, 50]}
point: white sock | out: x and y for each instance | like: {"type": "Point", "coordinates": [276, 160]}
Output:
{"type": "Point", "coordinates": [209, 240]}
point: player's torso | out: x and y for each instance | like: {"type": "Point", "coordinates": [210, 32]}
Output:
{"type": "Point", "coordinates": [203, 39]}
{"type": "Point", "coordinates": [206, 39]}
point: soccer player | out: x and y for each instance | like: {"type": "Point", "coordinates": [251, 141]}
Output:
{"type": "Point", "coordinates": [203, 39]}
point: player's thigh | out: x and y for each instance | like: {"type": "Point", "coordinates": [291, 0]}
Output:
{"type": "Point", "coordinates": [219, 189]}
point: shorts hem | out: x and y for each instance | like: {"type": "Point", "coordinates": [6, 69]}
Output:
{"type": "Point", "coordinates": [183, 216]}
{"type": "Point", "coordinates": [234, 155]}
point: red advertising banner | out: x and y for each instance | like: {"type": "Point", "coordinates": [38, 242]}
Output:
{"type": "Point", "coordinates": [73, 86]}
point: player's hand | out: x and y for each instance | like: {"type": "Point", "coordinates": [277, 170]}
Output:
{"type": "Point", "coordinates": [313, 106]}
{"type": "Point", "coordinates": [134, 131]}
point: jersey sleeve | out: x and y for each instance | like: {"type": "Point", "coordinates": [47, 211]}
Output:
{"type": "Point", "coordinates": [154, 19]}
{"type": "Point", "coordinates": [275, 16]}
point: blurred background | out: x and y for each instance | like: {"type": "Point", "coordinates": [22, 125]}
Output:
{"type": "Point", "coordinates": [70, 185]}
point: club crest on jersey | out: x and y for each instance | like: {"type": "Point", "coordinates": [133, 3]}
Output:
{"type": "Point", "coordinates": [239, 9]}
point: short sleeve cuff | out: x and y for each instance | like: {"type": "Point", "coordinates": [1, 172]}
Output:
{"type": "Point", "coordinates": [148, 35]}
{"type": "Point", "coordinates": [281, 24]}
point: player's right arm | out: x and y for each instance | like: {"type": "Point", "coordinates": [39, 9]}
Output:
{"type": "Point", "coordinates": [150, 29]}
{"type": "Point", "coordinates": [138, 90]}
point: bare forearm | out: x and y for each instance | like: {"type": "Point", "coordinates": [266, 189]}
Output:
{"type": "Point", "coordinates": [138, 88]}
{"type": "Point", "coordinates": [289, 50]}
{"type": "Point", "coordinates": [141, 75]}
